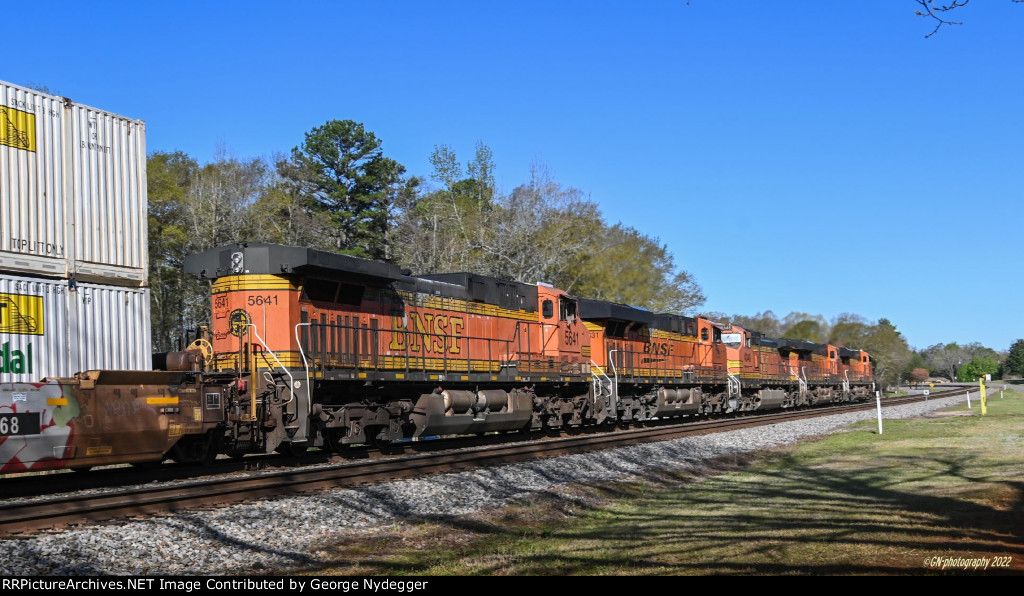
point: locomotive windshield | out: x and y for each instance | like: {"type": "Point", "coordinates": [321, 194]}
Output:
{"type": "Point", "coordinates": [732, 340]}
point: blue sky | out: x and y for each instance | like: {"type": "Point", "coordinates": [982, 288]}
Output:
{"type": "Point", "coordinates": [813, 156]}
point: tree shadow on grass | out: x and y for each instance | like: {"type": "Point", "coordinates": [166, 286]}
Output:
{"type": "Point", "coordinates": [786, 519]}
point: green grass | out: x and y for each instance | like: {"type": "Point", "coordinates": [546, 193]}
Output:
{"type": "Point", "coordinates": [852, 503]}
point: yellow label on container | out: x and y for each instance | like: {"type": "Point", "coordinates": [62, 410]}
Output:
{"type": "Point", "coordinates": [174, 430]}
{"type": "Point", "coordinates": [21, 314]}
{"type": "Point", "coordinates": [17, 129]}
{"type": "Point", "coordinates": [161, 400]}
{"type": "Point", "coordinates": [105, 450]}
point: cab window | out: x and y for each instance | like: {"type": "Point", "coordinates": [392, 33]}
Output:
{"type": "Point", "coordinates": [732, 340]}
{"type": "Point", "coordinates": [566, 309]}
{"type": "Point", "coordinates": [548, 309]}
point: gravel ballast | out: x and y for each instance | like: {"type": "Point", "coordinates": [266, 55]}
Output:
{"type": "Point", "coordinates": [273, 534]}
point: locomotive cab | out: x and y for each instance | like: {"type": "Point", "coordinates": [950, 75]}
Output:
{"type": "Point", "coordinates": [563, 333]}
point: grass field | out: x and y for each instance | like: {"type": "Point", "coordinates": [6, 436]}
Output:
{"type": "Point", "coordinates": [940, 495]}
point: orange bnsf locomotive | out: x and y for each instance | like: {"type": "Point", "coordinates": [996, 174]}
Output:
{"type": "Point", "coordinates": [665, 365]}
{"type": "Point", "coordinates": [336, 350]}
{"type": "Point", "coordinates": [310, 348]}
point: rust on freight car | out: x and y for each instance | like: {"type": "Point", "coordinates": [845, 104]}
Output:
{"type": "Point", "coordinates": [105, 417]}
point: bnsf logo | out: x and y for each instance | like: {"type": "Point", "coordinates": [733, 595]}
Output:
{"type": "Point", "coordinates": [658, 348]}
{"type": "Point", "coordinates": [429, 332]}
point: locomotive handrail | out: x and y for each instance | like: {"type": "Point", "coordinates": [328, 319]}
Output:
{"type": "Point", "coordinates": [291, 379]}
{"type": "Point", "coordinates": [305, 363]}
{"type": "Point", "coordinates": [614, 372]}
{"type": "Point", "coordinates": [511, 353]}
{"type": "Point", "coordinates": [515, 334]}
{"type": "Point", "coordinates": [612, 388]}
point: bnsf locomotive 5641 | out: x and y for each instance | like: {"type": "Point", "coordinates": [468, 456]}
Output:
{"type": "Point", "coordinates": [310, 348]}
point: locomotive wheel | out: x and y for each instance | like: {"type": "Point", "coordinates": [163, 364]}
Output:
{"type": "Point", "coordinates": [373, 434]}
{"type": "Point", "coordinates": [333, 439]}
{"type": "Point", "coordinates": [292, 448]}
{"type": "Point", "coordinates": [197, 450]}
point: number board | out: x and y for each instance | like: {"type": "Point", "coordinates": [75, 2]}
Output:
{"type": "Point", "coordinates": [19, 424]}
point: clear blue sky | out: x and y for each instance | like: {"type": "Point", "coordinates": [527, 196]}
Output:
{"type": "Point", "coordinates": [814, 156]}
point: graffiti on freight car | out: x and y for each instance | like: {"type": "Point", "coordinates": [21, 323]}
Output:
{"type": "Point", "coordinates": [21, 314]}
{"type": "Point", "coordinates": [52, 445]}
{"type": "Point", "coordinates": [123, 409]}
{"type": "Point", "coordinates": [18, 129]}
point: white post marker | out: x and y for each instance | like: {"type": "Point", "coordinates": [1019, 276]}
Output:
{"type": "Point", "coordinates": [968, 400]}
{"type": "Point", "coordinates": [878, 406]}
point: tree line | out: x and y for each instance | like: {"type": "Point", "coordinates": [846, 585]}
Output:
{"type": "Point", "coordinates": [338, 191]}
{"type": "Point", "coordinates": [895, 361]}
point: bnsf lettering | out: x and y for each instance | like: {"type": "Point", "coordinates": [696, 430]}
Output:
{"type": "Point", "coordinates": [658, 348]}
{"type": "Point", "coordinates": [427, 332]}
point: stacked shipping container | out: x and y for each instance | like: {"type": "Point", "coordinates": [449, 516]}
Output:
{"type": "Point", "coordinates": [73, 245]}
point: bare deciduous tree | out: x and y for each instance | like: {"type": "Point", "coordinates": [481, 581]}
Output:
{"type": "Point", "coordinates": [937, 12]}
{"type": "Point", "coordinates": [947, 358]}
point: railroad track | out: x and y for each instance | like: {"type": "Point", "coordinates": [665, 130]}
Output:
{"type": "Point", "coordinates": [65, 510]}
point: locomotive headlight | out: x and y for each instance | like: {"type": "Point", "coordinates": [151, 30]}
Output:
{"type": "Point", "coordinates": [237, 262]}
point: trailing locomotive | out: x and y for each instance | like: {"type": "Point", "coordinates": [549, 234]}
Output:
{"type": "Point", "coordinates": [310, 348]}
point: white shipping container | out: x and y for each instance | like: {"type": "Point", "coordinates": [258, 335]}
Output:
{"type": "Point", "coordinates": [109, 188]}
{"type": "Point", "coordinates": [51, 328]}
{"type": "Point", "coordinates": [72, 189]}
{"type": "Point", "coordinates": [32, 207]}
{"type": "Point", "coordinates": [113, 330]}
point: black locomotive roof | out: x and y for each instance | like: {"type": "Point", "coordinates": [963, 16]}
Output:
{"type": "Point", "coordinates": [800, 345]}
{"type": "Point", "coordinates": [512, 295]}
{"type": "Point", "coordinates": [848, 353]}
{"type": "Point", "coordinates": [256, 258]}
{"type": "Point", "coordinates": [592, 310]}
{"type": "Point", "coordinates": [675, 324]}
